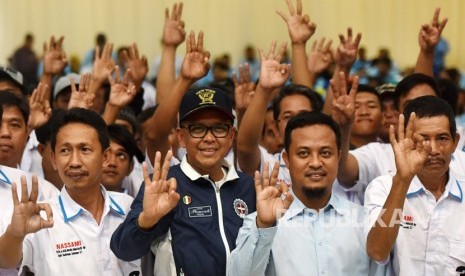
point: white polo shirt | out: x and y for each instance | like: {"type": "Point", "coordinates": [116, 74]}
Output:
{"type": "Point", "coordinates": [376, 159]}
{"type": "Point", "coordinates": [76, 244]}
{"type": "Point", "coordinates": [431, 239]}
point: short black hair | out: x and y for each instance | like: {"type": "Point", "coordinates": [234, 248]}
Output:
{"type": "Point", "coordinates": [431, 106]}
{"type": "Point", "coordinates": [310, 118]}
{"type": "Point", "coordinates": [83, 116]}
{"type": "Point", "coordinates": [8, 99]}
{"type": "Point", "coordinates": [146, 114]}
{"type": "Point", "coordinates": [121, 136]}
{"type": "Point", "coordinates": [295, 89]}
{"type": "Point", "coordinates": [44, 132]}
{"type": "Point", "coordinates": [364, 88]}
{"type": "Point", "coordinates": [409, 82]}
{"type": "Point", "coordinates": [127, 114]}
{"type": "Point", "coordinates": [449, 92]}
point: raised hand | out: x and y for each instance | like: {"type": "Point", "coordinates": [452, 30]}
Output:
{"type": "Point", "coordinates": [196, 62]}
{"type": "Point", "coordinates": [26, 217]}
{"type": "Point", "coordinates": [103, 63]}
{"type": "Point", "coordinates": [320, 56]}
{"type": "Point", "coordinates": [160, 196]}
{"type": "Point", "coordinates": [346, 52]}
{"type": "Point", "coordinates": [121, 93]}
{"type": "Point", "coordinates": [243, 87]}
{"type": "Point", "coordinates": [299, 26]}
{"type": "Point", "coordinates": [343, 104]}
{"type": "Point", "coordinates": [273, 74]}
{"type": "Point", "coordinates": [410, 151]}
{"type": "Point", "coordinates": [39, 106]}
{"type": "Point", "coordinates": [54, 57]}
{"type": "Point", "coordinates": [138, 65]}
{"type": "Point", "coordinates": [272, 197]}
{"type": "Point", "coordinates": [81, 97]}
{"type": "Point", "coordinates": [430, 35]}
{"type": "Point", "coordinates": [173, 31]}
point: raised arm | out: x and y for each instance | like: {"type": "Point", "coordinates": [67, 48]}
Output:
{"type": "Point", "coordinates": [39, 106]}
{"type": "Point", "coordinates": [26, 219]}
{"type": "Point", "coordinates": [345, 56]}
{"type": "Point", "coordinates": [102, 67]}
{"type": "Point", "coordinates": [428, 38]}
{"type": "Point", "coordinates": [273, 75]}
{"type": "Point", "coordinates": [81, 96]}
{"type": "Point", "coordinates": [173, 35]}
{"type": "Point", "coordinates": [300, 30]}
{"type": "Point", "coordinates": [121, 94]}
{"type": "Point", "coordinates": [343, 112]}
{"type": "Point", "coordinates": [195, 66]}
{"type": "Point", "coordinates": [319, 58]}
{"type": "Point", "coordinates": [244, 89]}
{"type": "Point", "coordinates": [55, 61]}
{"type": "Point", "coordinates": [410, 155]}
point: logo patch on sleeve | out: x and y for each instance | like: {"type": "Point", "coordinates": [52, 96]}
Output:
{"type": "Point", "coordinates": [240, 207]}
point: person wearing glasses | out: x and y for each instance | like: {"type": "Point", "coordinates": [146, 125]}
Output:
{"type": "Point", "coordinates": [204, 202]}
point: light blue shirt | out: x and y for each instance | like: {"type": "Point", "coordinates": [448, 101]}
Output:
{"type": "Point", "coordinates": [306, 242]}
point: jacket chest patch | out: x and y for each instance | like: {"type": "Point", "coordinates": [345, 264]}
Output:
{"type": "Point", "coordinates": [240, 207]}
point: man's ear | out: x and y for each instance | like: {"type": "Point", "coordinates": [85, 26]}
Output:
{"type": "Point", "coordinates": [286, 158]}
{"type": "Point", "coordinates": [456, 140]}
{"type": "Point", "coordinates": [180, 137]}
{"type": "Point", "coordinates": [41, 149]}
{"type": "Point", "coordinates": [131, 167]}
{"type": "Point", "coordinates": [52, 160]}
{"type": "Point", "coordinates": [106, 156]}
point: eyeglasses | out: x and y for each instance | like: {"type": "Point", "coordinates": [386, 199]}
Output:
{"type": "Point", "coordinates": [200, 131]}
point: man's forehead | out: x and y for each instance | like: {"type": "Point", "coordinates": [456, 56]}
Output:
{"type": "Point", "coordinates": [432, 124]}
{"type": "Point", "coordinates": [12, 113]}
{"type": "Point", "coordinates": [8, 85]}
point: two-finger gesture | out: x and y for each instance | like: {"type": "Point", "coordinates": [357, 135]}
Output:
{"type": "Point", "coordinates": [122, 92]}
{"type": "Point", "coordinates": [80, 96]}
{"type": "Point", "coordinates": [39, 106]}
{"type": "Point", "coordinates": [273, 74]}
{"type": "Point", "coordinates": [411, 151]}
{"type": "Point", "coordinates": [173, 31]}
{"type": "Point", "coordinates": [26, 217]}
{"type": "Point", "coordinates": [54, 56]}
{"type": "Point", "coordinates": [243, 87]}
{"type": "Point", "coordinates": [430, 35]}
{"type": "Point", "coordinates": [320, 56]}
{"type": "Point", "coordinates": [160, 196]}
{"type": "Point", "coordinates": [196, 61]}
{"type": "Point", "coordinates": [299, 26]}
{"type": "Point", "coordinates": [343, 104]}
{"type": "Point", "coordinates": [273, 198]}
{"type": "Point", "coordinates": [346, 52]}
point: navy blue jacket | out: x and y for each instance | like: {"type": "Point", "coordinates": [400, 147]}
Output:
{"type": "Point", "coordinates": [197, 242]}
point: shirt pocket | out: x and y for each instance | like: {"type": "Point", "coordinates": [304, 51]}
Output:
{"type": "Point", "coordinates": [457, 256]}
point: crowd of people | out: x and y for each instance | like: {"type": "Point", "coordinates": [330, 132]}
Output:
{"type": "Point", "coordinates": [300, 163]}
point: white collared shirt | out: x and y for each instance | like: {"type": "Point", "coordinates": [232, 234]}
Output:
{"type": "Point", "coordinates": [76, 244]}
{"type": "Point", "coordinates": [431, 238]}
{"type": "Point", "coordinates": [31, 161]}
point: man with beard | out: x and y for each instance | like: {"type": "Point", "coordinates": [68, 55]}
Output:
{"type": "Point", "coordinates": [413, 217]}
{"type": "Point", "coordinates": [318, 226]}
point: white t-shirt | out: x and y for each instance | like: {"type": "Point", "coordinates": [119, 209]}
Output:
{"type": "Point", "coordinates": [76, 244]}
{"type": "Point", "coordinates": [431, 238]}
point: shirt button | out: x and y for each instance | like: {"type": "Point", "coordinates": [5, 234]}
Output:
{"type": "Point", "coordinates": [320, 243]}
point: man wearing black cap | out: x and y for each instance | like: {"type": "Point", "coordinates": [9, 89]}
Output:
{"type": "Point", "coordinates": [201, 208]}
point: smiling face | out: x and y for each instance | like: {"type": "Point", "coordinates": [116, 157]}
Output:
{"type": "Point", "coordinates": [13, 136]}
{"type": "Point", "coordinates": [367, 115]}
{"type": "Point", "coordinates": [312, 160]}
{"type": "Point", "coordinates": [206, 154]}
{"type": "Point", "coordinates": [437, 131]}
{"type": "Point", "coordinates": [78, 156]}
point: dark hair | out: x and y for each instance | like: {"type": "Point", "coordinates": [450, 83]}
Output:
{"type": "Point", "coordinates": [364, 88]}
{"type": "Point", "coordinates": [121, 136]}
{"type": "Point", "coordinates": [83, 116]}
{"type": "Point", "coordinates": [127, 114]}
{"type": "Point", "coordinates": [44, 132]}
{"type": "Point", "coordinates": [409, 82]}
{"type": "Point", "coordinates": [310, 118]}
{"type": "Point", "coordinates": [146, 114]}
{"type": "Point", "coordinates": [296, 89]}
{"type": "Point", "coordinates": [8, 99]}
{"type": "Point", "coordinates": [431, 106]}
{"type": "Point", "coordinates": [449, 92]}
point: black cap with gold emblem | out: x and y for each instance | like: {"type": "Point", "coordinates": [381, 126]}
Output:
{"type": "Point", "coordinates": [205, 97]}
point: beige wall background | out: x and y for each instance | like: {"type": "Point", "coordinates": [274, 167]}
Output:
{"type": "Point", "coordinates": [228, 24]}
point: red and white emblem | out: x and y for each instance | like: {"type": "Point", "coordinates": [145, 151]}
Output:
{"type": "Point", "coordinates": [240, 207]}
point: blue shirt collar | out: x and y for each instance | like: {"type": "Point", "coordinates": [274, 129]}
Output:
{"type": "Point", "coordinates": [71, 210]}
{"type": "Point", "coordinates": [454, 187]}
{"type": "Point", "coordinates": [194, 175]}
{"type": "Point", "coordinates": [298, 208]}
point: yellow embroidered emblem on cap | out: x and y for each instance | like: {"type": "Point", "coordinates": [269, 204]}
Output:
{"type": "Point", "coordinates": [206, 96]}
